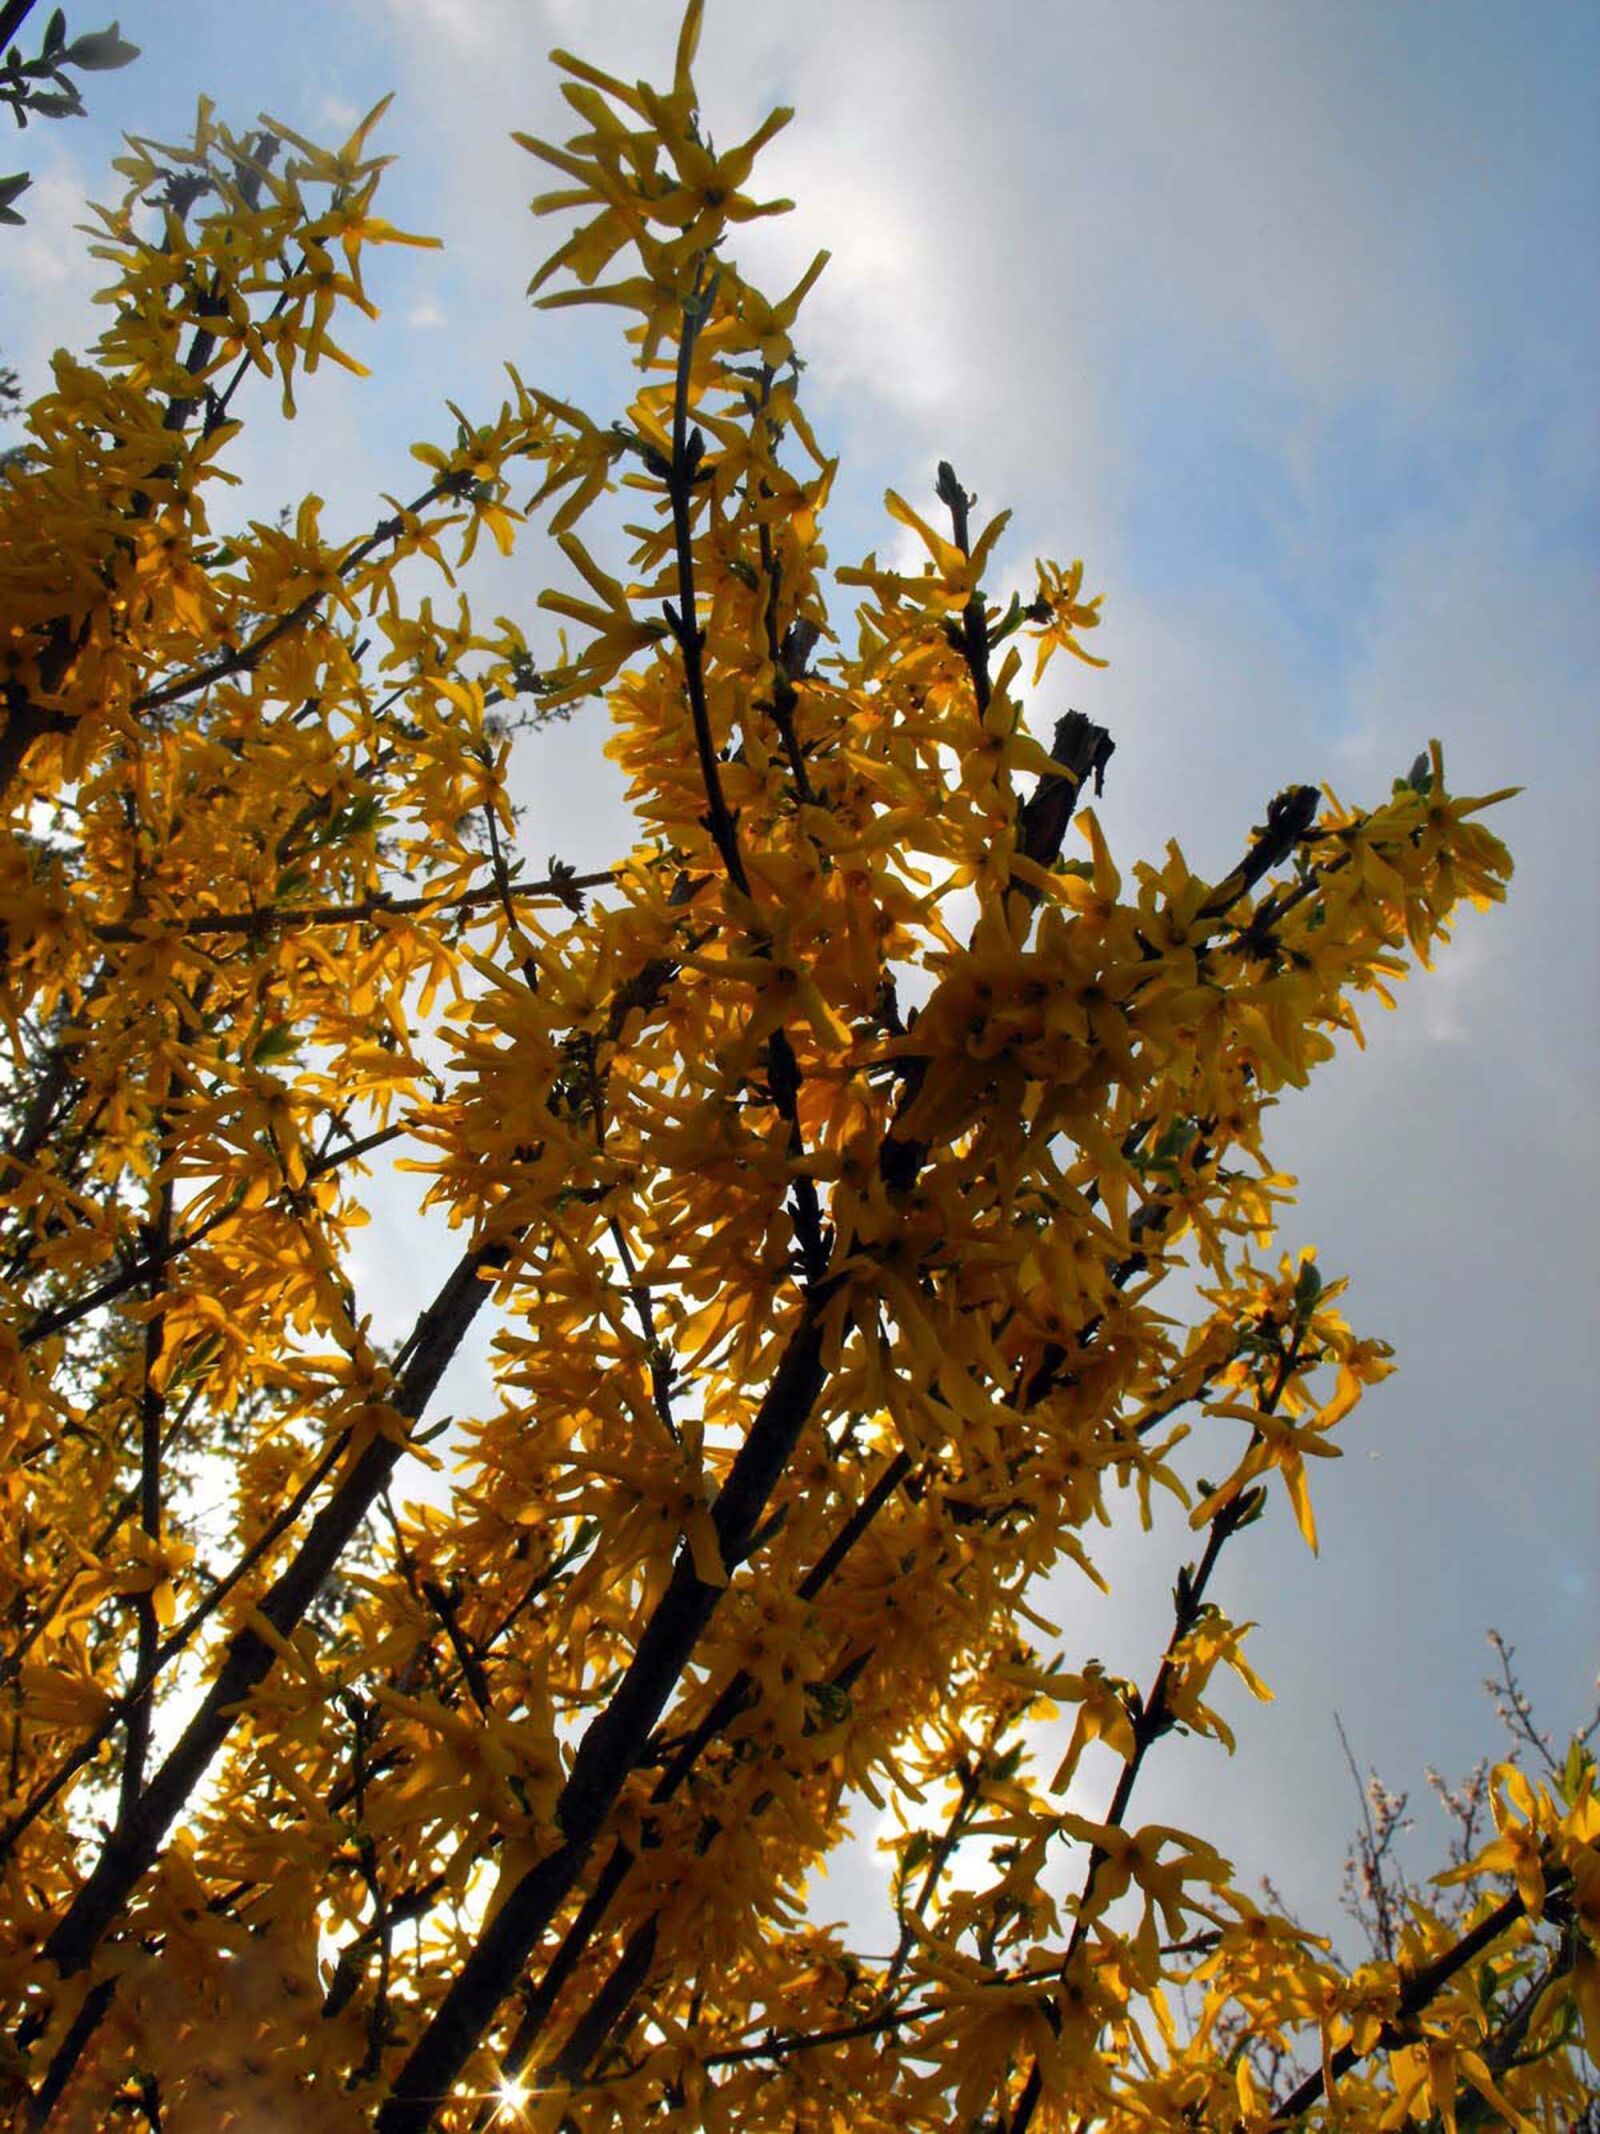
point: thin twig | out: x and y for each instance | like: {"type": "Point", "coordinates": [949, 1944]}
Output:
{"type": "Point", "coordinates": [1154, 1716]}
{"type": "Point", "coordinates": [363, 909]}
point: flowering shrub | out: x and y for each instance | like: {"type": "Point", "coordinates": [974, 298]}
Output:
{"type": "Point", "coordinates": [822, 1162]}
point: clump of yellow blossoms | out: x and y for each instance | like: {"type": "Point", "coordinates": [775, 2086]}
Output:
{"type": "Point", "coordinates": [821, 1163]}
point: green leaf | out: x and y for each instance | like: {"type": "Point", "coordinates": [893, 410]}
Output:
{"type": "Point", "coordinates": [1575, 1768]}
{"type": "Point", "coordinates": [101, 50]}
{"type": "Point", "coordinates": [1307, 1289]}
{"type": "Point", "coordinates": [831, 1701]}
{"type": "Point", "coordinates": [364, 813]}
{"type": "Point", "coordinates": [1419, 779]}
{"type": "Point", "coordinates": [279, 1043]}
{"type": "Point", "coordinates": [1177, 1138]}
{"type": "Point", "coordinates": [1247, 1508]}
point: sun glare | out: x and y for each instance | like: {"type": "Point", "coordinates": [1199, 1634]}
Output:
{"type": "Point", "coordinates": [513, 2096]}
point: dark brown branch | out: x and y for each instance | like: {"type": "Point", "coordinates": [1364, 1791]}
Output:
{"type": "Point", "coordinates": [1086, 748]}
{"type": "Point", "coordinates": [61, 1316]}
{"type": "Point", "coordinates": [610, 2004]}
{"type": "Point", "coordinates": [974, 632]}
{"type": "Point", "coordinates": [685, 1753]}
{"type": "Point", "coordinates": [683, 620]}
{"type": "Point", "coordinates": [176, 1642]}
{"type": "Point", "coordinates": [783, 2045]}
{"type": "Point", "coordinates": [152, 1413]}
{"type": "Point", "coordinates": [410, 1904]}
{"type": "Point", "coordinates": [248, 657]}
{"type": "Point", "coordinates": [28, 721]}
{"type": "Point", "coordinates": [356, 913]}
{"type": "Point", "coordinates": [612, 1744]}
{"type": "Point", "coordinates": [1419, 1988]}
{"type": "Point", "coordinates": [68, 2053]}
{"type": "Point", "coordinates": [12, 16]}
{"type": "Point", "coordinates": [614, 1740]}
{"type": "Point", "coordinates": [48, 1091]}
{"type": "Point", "coordinates": [1290, 816]}
{"type": "Point", "coordinates": [783, 1073]}
{"type": "Point", "coordinates": [1502, 2049]}
{"type": "Point", "coordinates": [251, 173]}
{"type": "Point", "coordinates": [1042, 825]}
{"type": "Point", "coordinates": [129, 1854]}
{"type": "Point", "coordinates": [1154, 1718]}
{"type": "Point", "coordinates": [790, 652]}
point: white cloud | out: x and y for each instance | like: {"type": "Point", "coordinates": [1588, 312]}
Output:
{"type": "Point", "coordinates": [52, 276]}
{"type": "Point", "coordinates": [460, 22]}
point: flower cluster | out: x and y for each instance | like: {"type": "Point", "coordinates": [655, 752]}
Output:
{"type": "Point", "coordinates": [821, 1163]}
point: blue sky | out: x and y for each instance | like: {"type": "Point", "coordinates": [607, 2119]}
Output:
{"type": "Point", "coordinates": [1284, 317]}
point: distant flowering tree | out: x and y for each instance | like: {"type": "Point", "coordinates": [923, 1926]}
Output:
{"type": "Point", "coordinates": [819, 1164]}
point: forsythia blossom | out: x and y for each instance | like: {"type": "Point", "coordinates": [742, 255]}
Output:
{"type": "Point", "coordinates": [816, 1166]}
